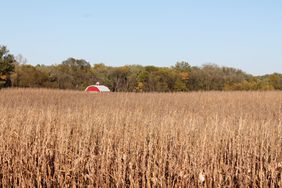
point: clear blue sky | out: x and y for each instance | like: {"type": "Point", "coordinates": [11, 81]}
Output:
{"type": "Point", "coordinates": [245, 34]}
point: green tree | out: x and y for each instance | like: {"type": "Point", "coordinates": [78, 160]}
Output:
{"type": "Point", "coordinates": [73, 74]}
{"type": "Point", "coordinates": [182, 66]}
{"type": "Point", "coordinates": [101, 73]}
{"type": "Point", "coordinates": [7, 66]}
{"type": "Point", "coordinates": [183, 70]}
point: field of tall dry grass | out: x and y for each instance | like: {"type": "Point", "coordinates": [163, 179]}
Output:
{"type": "Point", "coordinates": [53, 138]}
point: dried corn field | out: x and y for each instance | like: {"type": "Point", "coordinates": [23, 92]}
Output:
{"type": "Point", "coordinates": [52, 138]}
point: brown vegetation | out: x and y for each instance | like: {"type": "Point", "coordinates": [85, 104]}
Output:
{"type": "Point", "coordinates": [212, 139]}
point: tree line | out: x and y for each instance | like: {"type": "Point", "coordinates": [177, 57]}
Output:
{"type": "Point", "coordinates": [78, 74]}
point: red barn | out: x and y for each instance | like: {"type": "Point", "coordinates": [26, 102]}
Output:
{"type": "Point", "coordinates": [97, 88]}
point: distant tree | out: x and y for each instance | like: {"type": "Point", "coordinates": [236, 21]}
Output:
{"type": "Point", "coordinates": [7, 66]}
{"type": "Point", "coordinates": [180, 85]}
{"type": "Point", "coordinates": [214, 77]}
{"type": "Point", "coordinates": [184, 69]}
{"type": "Point", "coordinates": [252, 84]}
{"type": "Point", "coordinates": [30, 76]}
{"type": "Point", "coordinates": [142, 80]}
{"type": "Point", "coordinates": [119, 77]}
{"type": "Point", "coordinates": [20, 59]}
{"type": "Point", "coordinates": [73, 74]}
{"type": "Point", "coordinates": [76, 64]}
{"type": "Point", "coordinates": [101, 73]}
{"type": "Point", "coordinates": [275, 80]}
{"type": "Point", "coordinates": [182, 66]}
{"type": "Point", "coordinates": [133, 84]}
{"type": "Point", "coordinates": [78, 73]}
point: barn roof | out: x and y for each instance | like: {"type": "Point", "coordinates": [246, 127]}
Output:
{"type": "Point", "coordinates": [101, 88]}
